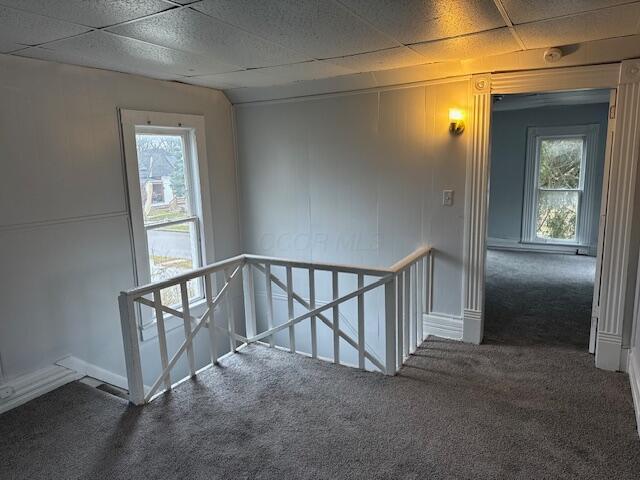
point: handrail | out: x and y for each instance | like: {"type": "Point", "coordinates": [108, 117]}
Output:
{"type": "Point", "coordinates": [185, 277]}
{"type": "Point", "coordinates": [217, 266]}
{"type": "Point", "coordinates": [372, 271]}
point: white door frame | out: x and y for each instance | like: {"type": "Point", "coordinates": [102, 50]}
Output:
{"type": "Point", "coordinates": [625, 152]}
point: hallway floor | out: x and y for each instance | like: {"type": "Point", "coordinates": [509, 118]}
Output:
{"type": "Point", "coordinates": [456, 411]}
{"type": "Point", "coordinates": [534, 298]}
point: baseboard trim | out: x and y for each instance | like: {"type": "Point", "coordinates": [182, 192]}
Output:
{"type": "Point", "coordinates": [517, 246]}
{"type": "Point", "coordinates": [442, 325]}
{"type": "Point", "coordinates": [634, 380]}
{"type": "Point", "coordinates": [86, 369]}
{"type": "Point", "coordinates": [32, 385]}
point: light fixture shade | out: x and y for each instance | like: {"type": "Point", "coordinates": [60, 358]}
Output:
{"type": "Point", "coordinates": [456, 121]}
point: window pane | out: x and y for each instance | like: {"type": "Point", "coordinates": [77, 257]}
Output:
{"type": "Point", "coordinates": [560, 160]}
{"type": "Point", "coordinates": [163, 185]}
{"type": "Point", "coordinates": [557, 214]}
{"type": "Point", "coordinates": [173, 251]}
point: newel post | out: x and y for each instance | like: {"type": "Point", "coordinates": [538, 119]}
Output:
{"type": "Point", "coordinates": [131, 349]}
{"type": "Point", "coordinates": [476, 207]}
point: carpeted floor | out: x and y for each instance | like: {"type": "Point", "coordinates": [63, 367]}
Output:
{"type": "Point", "coordinates": [527, 410]}
{"type": "Point", "coordinates": [534, 298]}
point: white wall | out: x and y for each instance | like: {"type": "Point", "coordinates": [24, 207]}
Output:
{"type": "Point", "coordinates": [508, 161]}
{"type": "Point", "coordinates": [356, 178]}
{"type": "Point", "coordinates": [64, 237]}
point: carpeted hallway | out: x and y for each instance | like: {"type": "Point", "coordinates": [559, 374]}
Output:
{"type": "Point", "coordinates": [508, 409]}
{"type": "Point", "coordinates": [538, 298]}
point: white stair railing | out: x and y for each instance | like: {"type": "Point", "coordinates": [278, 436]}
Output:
{"type": "Point", "coordinates": [407, 296]}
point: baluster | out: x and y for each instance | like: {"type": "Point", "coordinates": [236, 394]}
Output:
{"type": "Point", "coordinates": [162, 337]}
{"type": "Point", "coordinates": [208, 288]}
{"type": "Point", "coordinates": [186, 313]}
{"type": "Point", "coordinates": [231, 324]}
{"type": "Point", "coordinates": [292, 328]}
{"type": "Point", "coordinates": [361, 338]}
{"type": "Point", "coordinates": [269, 293]}
{"type": "Point", "coordinates": [312, 305]}
{"type": "Point", "coordinates": [399, 318]}
{"type": "Point", "coordinates": [430, 283]}
{"type": "Point", "coordinates": [249, 301]}
{"type": "Point", "coordinates": [414, 307]}
{"type": "Point", "coordinates": [336, 318]}
{"type": "Point", "coordinates": [420, 300]}
{"type": "Point", "coordinates": [390, 326]}
{"type": "Point", "coordinates": [406, 335]}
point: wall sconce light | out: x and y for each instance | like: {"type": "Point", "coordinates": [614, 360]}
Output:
{"type": "Point", "coordinates": [456, 119]}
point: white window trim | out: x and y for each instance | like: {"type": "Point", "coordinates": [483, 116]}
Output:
{"type": "Point", "coordinates": [194, 127]}
{"type": "Point", "coordinates": [584, 227]}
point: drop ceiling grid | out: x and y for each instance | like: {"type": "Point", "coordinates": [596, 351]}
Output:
{"type": "Point", "coordinates": [348, 36]}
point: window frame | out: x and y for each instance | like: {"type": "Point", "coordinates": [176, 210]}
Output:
{"type": "Point", "coordinates": [586, 186]}
{"type": "Point", "coordinates": [192, 130]}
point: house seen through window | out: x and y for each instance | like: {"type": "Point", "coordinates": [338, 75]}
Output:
{"type": "Point", "coordinates": [170, 219]}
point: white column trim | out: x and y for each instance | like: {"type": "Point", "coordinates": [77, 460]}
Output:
{"type": "Point", "coordinates": [476, 208]}
{"type": "Point", "coordinates": [620, 212]}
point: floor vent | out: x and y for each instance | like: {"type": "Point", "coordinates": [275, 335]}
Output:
{"type": "Point", "coordinates": [106, 387]}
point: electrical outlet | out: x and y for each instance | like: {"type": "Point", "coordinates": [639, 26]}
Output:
{"type": "Point", "coordinates": [447, 198]}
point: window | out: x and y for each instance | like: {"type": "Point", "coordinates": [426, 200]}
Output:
{"type": "Point", "coordinates": [165, 162]}
{"type": "Point", "coordinates": [556, 183]}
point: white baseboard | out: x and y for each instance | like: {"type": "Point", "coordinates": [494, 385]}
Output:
{"type": "Point", "coordinates": [494, 243]}
{"type": "Point", "coordinates": [634, 380]}
{"type": "Point", "coordinates": [27, 387]}
{"type": "Point", "coordinates": [441, 325]}
{"type": "Point", "coordinates": [87, 369]}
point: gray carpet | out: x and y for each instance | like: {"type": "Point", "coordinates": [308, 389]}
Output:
{"type": "Point", "coordinates": [534, 298]}
{"type": "Point", "coordinates": [456, 411]}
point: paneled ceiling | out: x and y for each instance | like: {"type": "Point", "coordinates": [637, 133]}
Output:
{"type": "Point", "coordinates": [232, 44]}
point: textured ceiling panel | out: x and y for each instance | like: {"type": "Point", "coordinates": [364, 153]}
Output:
{"type": "Point", "coordinates": [493, 42]}
{"type": "Point", "coordinates": [103, 50]}
{"type": "Point", "coordinates": [195, 32]}
{"type": "Point", "coordinates": [381, 60]}
{"type": "Point", "coordinates": [522, 11]}
{"type": "Point", "coordinates": [7, 46]}
{"type": "Point", "coordinates": [22, 27]}
{"type": "Point", "coordinates": [412, 21]}
{"type": "Point", "coordinates": [270, 76]}
{"type": "Point", "coordinates": [319, 28]}
{"type": "Point", "coordinates": [611, 22]}
{"type": "Point", "coordinates": [95, 13]}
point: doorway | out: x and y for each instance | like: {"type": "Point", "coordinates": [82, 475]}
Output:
{"type": "Point", "coordinates": [546, 179]}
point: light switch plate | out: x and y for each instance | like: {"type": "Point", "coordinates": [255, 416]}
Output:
{"type": "Point", "coordinates": [447, 198]}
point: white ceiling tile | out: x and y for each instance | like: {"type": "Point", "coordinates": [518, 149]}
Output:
{"type": "Point", "coordinates": [270, 76]}
{"type": "Point", "coordinates": [422, 20]}
{"type": "Point", "coordinates": [523, 11]}
{"type": "Point", "coordinates": [493, 42]}
{"type": "Point", "coordinates": [29, 29]}
{"type": "Point", "coordinates": [7, 46]}
{"type": "Point", "coordinates": [380, 60]}
{"type": "Point", "coordinates": [195, 32]}
{"type": "Point", "coordinates": [95, 13]}
{"type": "Point", "coordinates": [108, 51]}
{"type": "Point", "coordinates": [610, 22]}
{"type": "Point", "coordinates": [319, 28]}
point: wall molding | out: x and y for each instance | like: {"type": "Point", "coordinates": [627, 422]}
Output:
{"type": "Point", "coordinates": [86, 369]}
{"type": "Point", "coordinates": [442, 325]}
{"type": "Point", "coordinates": [24, 388]}
{"type": "Point", "coordinates": [618, 250]}
{"type": "Point", "coordinates": [63, 220]}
